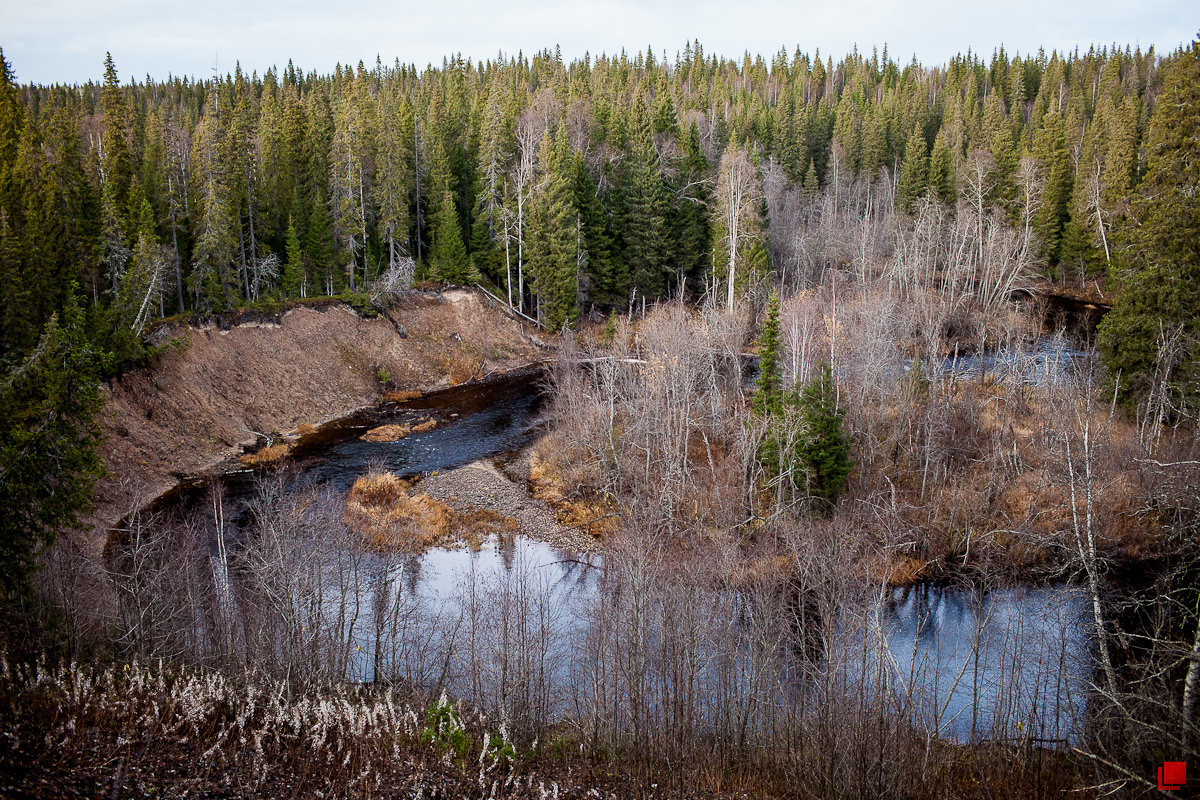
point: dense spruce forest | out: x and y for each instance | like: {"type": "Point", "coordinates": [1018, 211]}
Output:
{"type": "Point", "coordinates": [761, 282]}
{"type": "Point", "coordinates": [571, 187]}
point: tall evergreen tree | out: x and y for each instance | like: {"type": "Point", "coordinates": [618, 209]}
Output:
{"type": "Point", "coordinates": [913, 171]}
{"type": "Point", "coordinates": [691, 228]}
{"type": "Point", "coordinates": [1050, 148]}
{"type": "Point", "coordinates": [648, 247]}
{"type": "Point", "coordinates": [448, 259]}
{"type": "Point", "coordinates": [824, 448]}
{"type": "Point", "coordinates": [768, 400]}
{"type": "Point", "coordinates": [48, 445]}
{"type": "Point", "coordinates": [1160, 260]}
{"type": "Point", "coordinates": [768, 394]}
{"type": "Point", "coordinates": [554, 236]}
{"type": "Point", "coordinates": [941, 171]}
{"type": "Point", "coordinates": [292, 280]}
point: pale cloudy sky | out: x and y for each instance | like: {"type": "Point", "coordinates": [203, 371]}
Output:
{"type": "Point", "coordinates": [49, 41]}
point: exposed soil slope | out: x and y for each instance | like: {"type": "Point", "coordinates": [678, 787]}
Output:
{"type": "Point", "coordinates": [195, 408]}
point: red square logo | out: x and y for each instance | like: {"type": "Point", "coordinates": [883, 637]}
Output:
{"type": "Point", "coordinates": [1172, 775]}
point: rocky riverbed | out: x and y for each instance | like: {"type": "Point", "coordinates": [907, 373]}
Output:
{"type": "Point", "coordinates": [481, 484]}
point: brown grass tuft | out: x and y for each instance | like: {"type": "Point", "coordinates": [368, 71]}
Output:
{"type": "Point", "coordinates": [394, 433]}
{"type": "Point", "coordinates": [389, 518]}
{"type": "Point", "coordinates": [592, 516]}
{"type": "Point", "coordinates": [401, 395]}
{"type": "Point", "coordinates": [378, 490]}
{"type": "Point", "coordinates": [386, 433]}
{"type": "Point", "coordinates": [267, 455]}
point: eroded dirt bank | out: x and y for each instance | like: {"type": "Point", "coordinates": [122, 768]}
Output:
{"type": "Point", "coordinates": [195, 408]}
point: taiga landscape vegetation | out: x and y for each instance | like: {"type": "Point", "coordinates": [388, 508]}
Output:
{"type": "Point", "coordinates": [794, 425]}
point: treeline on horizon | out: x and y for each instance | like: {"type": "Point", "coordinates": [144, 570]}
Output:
{"type": "Point", "coordinates": [567, 187]}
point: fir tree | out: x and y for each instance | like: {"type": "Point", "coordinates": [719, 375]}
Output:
{"type": "Point", "coordinates": [593, 229]}
{"type": "Point", "coordinates": [117, 170]}
{"type": "Point", "coordinates": [647, 245]}
{"type": "Point", "coordinates": [811, 184]}
{"type": "Point", "coordinates": [767, 400]}
{"type": "Point", "coordinates": [1050, 148]}
{"type": "Point", "coordinates": [554, 237]}
{"type": "Point", "coordinates": [767, 403]}
{"type": "Point", "coordinates": [690, 226]}
{"type": "Point", "coordinates": [293, 268]}
{"type": "Point", "coordinates": [913, 172]}
{"type": "Point", "coordinates": [941, 171]}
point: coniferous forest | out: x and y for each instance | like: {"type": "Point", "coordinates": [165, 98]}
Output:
{"type": "Point", "coordinates": [570, 187]}
{"type": "Point", "coordinates": [856, 227]}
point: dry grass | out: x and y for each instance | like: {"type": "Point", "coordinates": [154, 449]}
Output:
{"type": "Point", "coordinates": [573, 507]}
{"type": "Point", "coordinates": [174, 732]}
{"type": "Point", "coordinates": [401, 395]}
{"type": "Point", "coordinates": [390, 518]}
{"type": "Point", "coordinates": [267, 455]}
{"type": "Point", "coordinates": [378, 490]}
{"type": "Point", "coordinates": [386, 433]}
{"type": "Point", "coordinates": [307, 429]}
{"type": "Point", "coordinates": [394, 433]}
{"type": "Point", "coordinates": [463, 363]}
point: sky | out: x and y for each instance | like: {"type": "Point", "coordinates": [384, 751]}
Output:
{"type": "Point", "coordinates": [60, 41]}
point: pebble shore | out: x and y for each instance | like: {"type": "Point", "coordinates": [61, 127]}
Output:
{"type": "Point", "coordinates": [481, 485]}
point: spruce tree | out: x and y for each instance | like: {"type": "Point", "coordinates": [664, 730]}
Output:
{"type": "Point", "coordinates": [593, 230]}
{"type": "Point", "coordinates": [1050, 148]}
{"type": "Point", "coordinates": [811, 184]}
{"type": "Point", "coordinates": [824, 448]}
{"type": "Point", "coordinates": [293, 268]}
{"type": "Point", "coordinates": [767, 403]}
{"type": "Point", "coordinates": [48, 445]}
{"type": "Point", "coordinates": [941, 171]}
{"type": "Point", "coordinates": [448, 260]}
{"type": "Point", "coordinates": [690, 224]}
{"type": "Point", "coordinates": [647, 247]}
{"type": "Point", "coordinates": [115, 159]}
{"type": "Point", "coordinates": [1160, 261]}
{"type": "Point", "coordinates": [554, 236]}
{"type": "Point", "coordinates": [768, 396]}
{"type": "Point", "coordinates": [913, 172]}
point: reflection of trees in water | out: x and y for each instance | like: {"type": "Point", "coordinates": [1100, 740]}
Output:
{"type": "Point", "coordinates": [579, 571]}
{"type": "Point", "coordinates": [635, 641]}
{"type": "Point", "coordinates": [506, 545]}
{"type": "Point", "coordinates": [925, 610]}
{"type": "Point", "coordinates": [411, 570]}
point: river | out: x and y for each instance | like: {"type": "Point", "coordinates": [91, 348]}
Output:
{"type": "Point", "coordinates": [964, 664]}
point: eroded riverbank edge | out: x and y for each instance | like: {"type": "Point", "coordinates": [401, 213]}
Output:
{"type": "Point", "coordinates": [190, 415]}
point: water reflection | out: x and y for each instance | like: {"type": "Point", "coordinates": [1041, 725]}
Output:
{"type": "Point", "coordinates": [521, 625]}
{"type": "Point", "coordinates": [966, 665]}
{"type": "Point", "coordinates": [976, 665]}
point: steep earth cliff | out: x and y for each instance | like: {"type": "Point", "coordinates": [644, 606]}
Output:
{"type": "Point", "coordinates": [229, 382]}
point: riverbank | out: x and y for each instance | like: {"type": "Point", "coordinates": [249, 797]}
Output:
{"type": "Point", "coordinates": [481, 485]}
{"type": "Point", "coordinates": [229, 385]}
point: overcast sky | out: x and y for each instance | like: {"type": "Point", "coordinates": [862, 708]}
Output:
{"type": "Point", "coordinates": [51, 41]}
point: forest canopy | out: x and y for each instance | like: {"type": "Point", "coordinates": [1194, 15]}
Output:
{"type": "Point", "coordinates": [567, 186]}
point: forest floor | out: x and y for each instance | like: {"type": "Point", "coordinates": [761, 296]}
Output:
{"type": "Point", "coordinates": [233, 380]}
